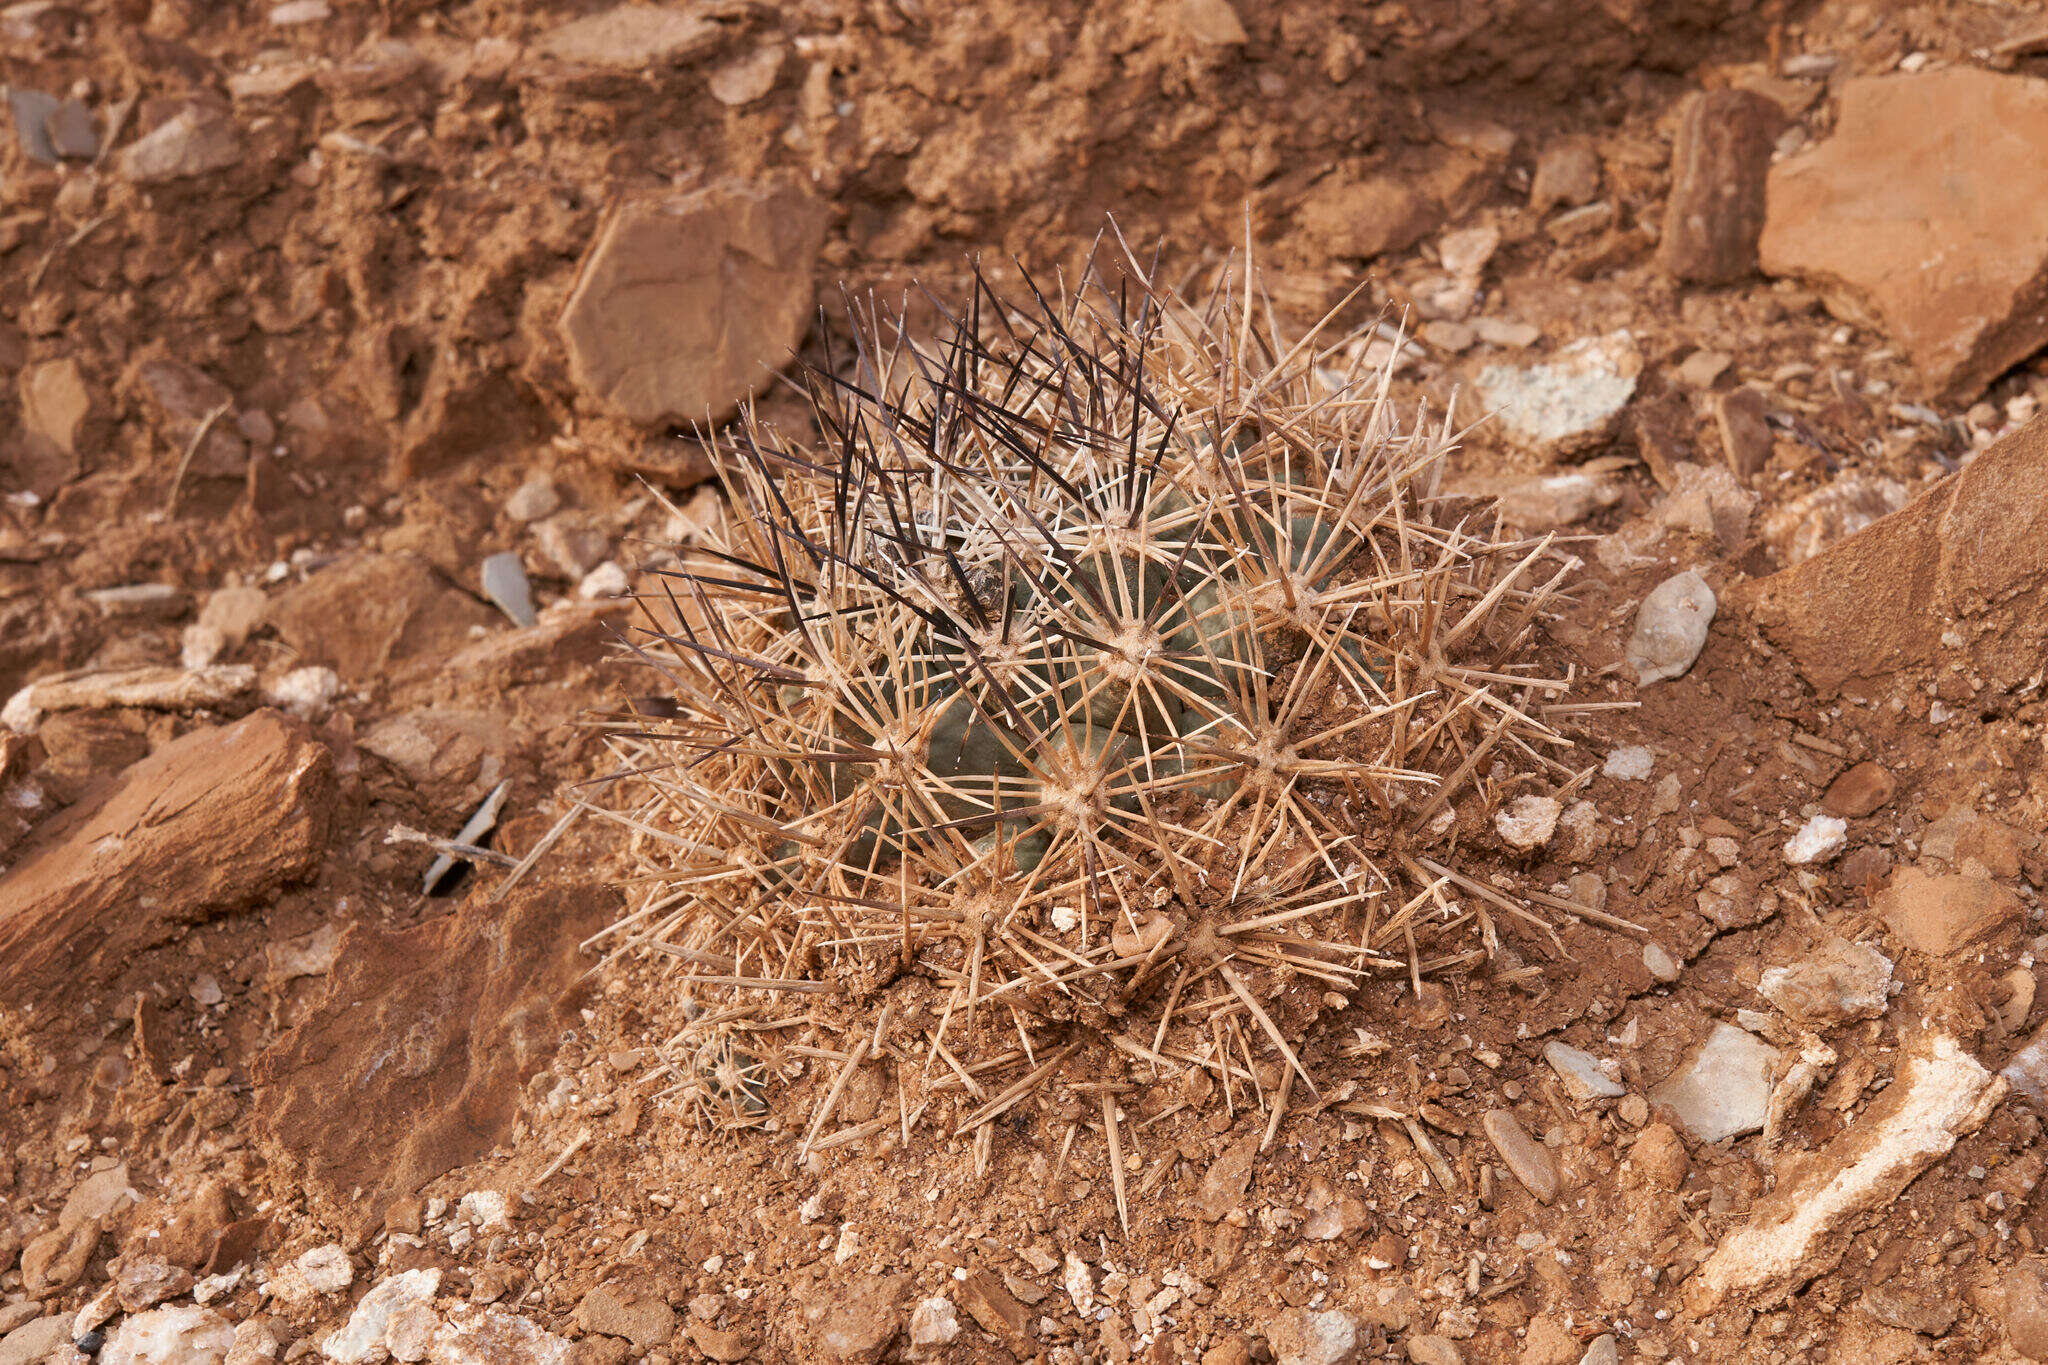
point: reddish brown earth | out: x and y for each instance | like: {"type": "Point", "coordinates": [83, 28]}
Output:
{"type": "Point", "coordinates": [282, 359]}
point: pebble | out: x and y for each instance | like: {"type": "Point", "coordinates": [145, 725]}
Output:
{"type": "Point", "coordinates": [1839, 982]}
{"type": "Point", "coordinates": [186, 146]}
{"type": "Point", "coordinates": [1506, 333]}
{"type": "Point", "coordinates": [305, 692]}
{"type": "Point", "coordinates": [2023, 1295]}
{"type": "Point", "coordinates": [1700, 369]}
{"type": "Point", "coordinates": [1659, 1156]}
{"type": "Point", "coordinates": [1528, 1159]}
{"type": "Point", "coordinates": [1567, 173]}
{"type": "Point", "coordinates": [1584, 1075]}
{"type": "Point", "coordinates": [1741, 419]}
{"type": "Point", "coordinates": [1434, 1350]}
{"type": "Point", "coordinates": [1548, 502]}
{"type": "Point", "coordinates": [1671, 627]}
{"type": "Point", "coordinates": [1310, 1337]}
{"type": "Point", "coordinates": [1818, 840]}
{"type": "Point", "coordinates": [485, 1210]}
{"type": "Point", "coordinates": [935, 1322]}
{"type": "Point", "coordinates": [1858, 792]}
{"type": "Point", "coordinates": [1604, 1350]}
{"type": "Point", "coordinates": [1657, 960]}
{"type": "Point", "coordinates": [1725, 1089]}
{"type": "Point", "coordinates": [606, 580]}
{"type": "Point", "coordinates": [300, 12]}
{"type": "Point", "coordinates": [532, 500]}
{"type": "Point", "coordinates": [1447, 336]}
{"type": "Point", "coordinates": [30, 110]}
{"type": "Point", "coordinates": [747, 79]}
{"type": "Point", "coordinates": [1569, 402]}
{"type": "Point", "coordinates": [1630, 763]}
{"type": "Point", "coordinates": [140, 602]}
{"type": "Point", "coordinates": [1714, 211]}
{"type": "Point", "coordinates": [623, 1311]}
{"type": "Point", "coordinates": [1527, 822]}
{"type": "Point", "coordinates": [143, 1282]}
{"type": "Point", "coordinates": [504, 582]}
{"type": "Point", "coordinates": [169, 1336]}
{"type": "Point", "coordinates": [327, 1269]}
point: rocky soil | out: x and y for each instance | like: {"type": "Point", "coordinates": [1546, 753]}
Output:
{"type": "Point", "coordinates": [354, 366]}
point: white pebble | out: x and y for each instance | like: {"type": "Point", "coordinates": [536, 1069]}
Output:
{"type": "Point", "coordinates": [1818, 840]}
{"type": "Point", "coordinates": [1671, 627]}
{"type": "Point", "coordinates": [306, 692]}
{"type": "Point", "coordinates": [1631, 763]}
{"type": "Point", "coordinates": [606, 580]}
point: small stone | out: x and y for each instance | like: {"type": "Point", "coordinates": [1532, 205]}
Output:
{"type": "Point", "coordinates": [1584, 1075]}
{"type": "Point", "coordinates": [1567, 173]}
{"type": "Point", "coordinates": [1659, 1156]}
{"type": "Point", "coordinates": [326, 1268]}
{"type": "Point", "coordinates": [29, 1342]}
{"type": "Point", "coordinates": [257, 1340]}
{"type": "Point", "coordinates": [571, 546]}
{"type": "Point", "coordinates": [1707, 500]}
{"type": "Point", "coordinates": [1657, 960]}
{"type": "Point", "coordinates": [1818, 840]}
{"type": "Point", "coordinates": [73, 134]}
{"type": "Point", "coordinates": [935, 1322]}
{"type": "Point", "coordinates": [140, 602]}
{"type": "Point", "coordinates": [1078, 1278]}
{"type": "Point", "coordinates": [1434, 1350]}
{"type": "Point", "coordinates": [1224, 1183]}
{"type": "Point", "coordinates": [55, 402]}
{"type": "Point", "coordinates": [1811, 522]}
{"type": "Point", "coordinates": [1700, 369]}
{"type": "Point", "coordinates": [1506, 333]}
{"type": "Point", "coordinates": [1528, 1159]}
{"type": "Point", "coordinates": [1942, 914]}
{"type": "Point", "coordinates": [629, 37]}
{"type": "Point", "coordinates": [1212, 23]}
{"type": "Point", "coordinates": [1715, 211]}
{"type": "Point", "coordinates": [362, 1340]}
{"type": "Point", "coordinates": [170, 1336]}
{"type": "Point", "coordinates": [1446, 336]}
{"type": "Point", "coordinates": [487, 1211]}
{"type": "Point", "coordinates": [305, 692]}
{"type": "Point", "coordinates": [1307, 1337]}
{"type": "Point", "coordinates": [1568, 403]}
{"type": "Point", "coordinates": [1858, 792]}
{"type": "Point", "coordinates": [2023, 1306]}
{"type": "Point", "coordinates": [1363, 218]}
{"type": "Point", "coordinates": [504, 582]}
{"type": "Point", "coordinates": [98, 1310]}
{"type": "Point", "coordinates": [1630, 763]}
{"type": "Point", "coordinates": [751, 77]}
{"type": "Point", "coordinates": [1604, 1349]}
{"type": "Point", "coordinates": [617, 1311]}
{"type": "Point", "coordinates": [1548, 502]}
{"type": "Point", "coordinates": [1634, 1110]}
{"type": "Point", "coordinates": [1671, 627]}
{"type": "Point", "coordinates": [606, 580]}
{"type": "Point", "coordinates": [196, 142]}
{"type": "Point", "coordinates": [56, 1260]}
{"type": "Point", "coordinates": [1742, 419]}
{"type": "Point", "coordinates": [1839, 982]}
{"type": "Point", "coordinates": [145, 1281]}
{"type": "Point", "coordinates": [1725, 1089]}
{"type": "Point", "coordinates": [295, 12]}
{"type": "Point", "coordinates": [996, 1309]}
{"type": "Point", "coordinates": [1527, 822]}
{"type": "Point", "coordinates": [532, 500]}
{"type": "Point", "coordinates": [720, 1345]}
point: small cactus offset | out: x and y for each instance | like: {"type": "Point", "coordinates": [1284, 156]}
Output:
{"type": "Point", "coordinates": [1110, 664]}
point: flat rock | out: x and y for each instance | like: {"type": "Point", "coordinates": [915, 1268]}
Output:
{"type": "Point", "coordinates": [1568, 403]}
{"type": "Point", "coordinates": [1724, 1089]}
{"type": "Point", "coordinates": [628, 37]}
{"type": "Point", "coordinates": [1838, 982]}
{"type": "Point", "coordinates": [1368, 217]}
{"type": "Point", "coordinates": [1942, 914]}
{"type": "Point", "coordinates": [1809, 523]}
{"type": "Point", "coordinates": [1528, 1159]}
{"type": "Point", "coordinates": [1958, 576]}
{"type": "Point", "coordinates": [196, 141]}
{"type": "Point", "coordinates": [366, 613]}
{"type": "Point", "coordinates": [996, 1309]}
{"type": "Point", "coordinates": [1921, 212]}
{"type": "Point", "coordinates": [1228, 1177]}
{"type": "Point", "coordinates": [642, 1318]}
{"type": "Point", "coordinates": [1715, 211]}
{"type": "Point", "coordinates": [686, 306]}
{"type": "Point", "coordinates": [178, 398]}
{"type": "Point", "coordinates": [1583, 1076]}
{"type": "Point", "coordinates": [859, 1319]}
{"type": "Point", "coordinates": [410, 1063]}
{"type": "Point", "coordinates": [2023, 1306]}
{"type": "Point", "coordinates": [54, 401]}
{"type": "Point", "coordinates": [170, 1336]}
{"type": "Point", "coordinates": [30, 1342]}
{"type": "Point", "coordinates": [210, 823]}
{"type": "Point", "coordinates": [1310, 1337]}
{"type": "Point", "coordinates": [1859, 791]}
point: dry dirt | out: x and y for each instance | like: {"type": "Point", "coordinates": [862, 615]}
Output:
{"type": "Point", "coordinates": [301, 306]}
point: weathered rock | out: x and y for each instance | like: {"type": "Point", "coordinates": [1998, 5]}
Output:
{"type": "Point", "coordinates": [1840, 981]}
{"type": "Point", "coordinates": [641, 1318]}
{"type": "Point", "coordinates": [1434, 1350]}
{"type": "Point", "coordinates": [1229, 1175]}
{"type": "Point", "coordinates": [934, 1323]}
{"type": "Point", "coordinates": [363, 615]}
{"type": "Point", "coordinates": [145, 1281]}
{"type": "Point", "coordinates": [532, 500]}
{"type": "Point", "coordinates": [1962, 836]}
{"type": "Point", "coordinates": [410, 1064]}
{"type": "Point", "coordinates": [1940, 1095]}
{"type": "Point", "coordinates": [1671, 627]}
{"type": "Point", "coordinates": [1527, 822]}
{"type": "Point", "coordinates": [1309, 1337]}
{"type": "Point", "coordinates": [1959, 576]}
{"type": "Point", "coordinates": [1718, 163]}
{"type": "Point", "coordinates": [1528, 1159]}
{"type": "Point", "coordinates": [170, 1336]}
{"type": "Point", "coordinates": [1550, 502]}
{"type": "Point", "coordinates": [1366, 218]}
{"type": "Point", "coordinates": [2023, 1306]}
{"type": "Point", "coordinates": [997, 1310]}
{"type": "Point", "coordinates": [178, 398]}
{"type": "Point", "coordinates": [686, 306]}
{"type": "Point", "coordinates": [1565, 405]}
{"type": "Point", "coordinates": [1725, 1089]}
{"type": "Point", "coordinates": [488, 1335]}
{"type": "Point", "coordinates": [860, 1319]}
{"type": "Point", "coordinates": [364, 1337]}
{"type": "Point", "coordinates": [196, 141]}
{"type": "Point", "coordinates": [1808, 524]}
{"type": "Point", "coordinates": [1942, 914]}
{"type": "Point", "coordinates": [210, 822]}
{"type": "Point", "coordinates": [54, 402]}
{"type": "Point", "coordinates": [1567, 173]}
{"type": "Point", "coordinates": [1212, 23]}
{"type": "Point", "coordinates": [1584, 1076]}
{"type": "Point", "coordinates": [1658, 1155]}
{"type": "Point", "coordinates": [1742, 419]}
{"type": "Point", "coordinates": [749, 78]}
{"type": "Point", "coordinates": [1707, 501]}
{"type": "Point", "coordinates": [1859, 791]}
{"type": "Point", "coordinates": [1816, 841]}
{"type": "Point", "coordinates": [35, 1339]}
{"type": "Point", "coordinates": [1948, 263]}
{"type": "Point", "coordinates": [721, 1344]}
{"type": "Point", "coordinates": [629, 37]}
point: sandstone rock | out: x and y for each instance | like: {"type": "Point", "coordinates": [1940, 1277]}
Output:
{"type": "Point", "coordinates": [170, 1336]}
{"type": "Point", "coordinates": [177, 399]}
{"type": "Point", "coordinates": [1308, 1337]}
{"type": "Point", "coordinates": [196, 141]}
{"type": "Point", "coordinates": [145, 1281]}
{"type": "Point", "coordinates": [1434, 1350]}
{"type": "Point", "coordinates": [1659, 1156]}
{"type": "Point", "coordinates": [2023, 1306]}
{"type": "Point", "coordinates": [1549, 1341]}
{"type": "Point", "coordinates": [1671, 627]}
{"type": "Point", "coordinates": [751, 77]}
{"type": "Point", "coordinates": [859, 1320]}
{"type": "Point", "coordinates": [1948, 262]}
{"type": "Point", "coordinates": [99, 1195]}
{"type": "Point", "coordinates": [1707, 501]}
{"type": "Point", "coordinates": [257, 1341]}
{"type": "Point", "coordinates": [1859, 791]}
{"type": "Point", "coordinates": [686, 306]}
{"type": "Point", "coordinates": [453, 756]}
{"type": "Point", "coordinates": [1963, 836]}
{"type": "Point", "coordinates": [1550, 502]}
{"type": "Point", "coordinates": [720, 1344]}
{"type": "Point", "coordinates": [1942, 914]}
{"type": "Point", "coordinates": [1569, 403]}
{"type": "Point", "coordinates": [30, 1342]}
{"type": "Point", "coordinates": [1567, 173]}
{"type": "Point", "coordinates": [1229, 1175]}
{"type": "Point", "coordinates": [1212, 23]}
{"type": "Point", "coordinates": [1528, 1159]}
{"type": "Point", "coordinates": [1840, 981]}
{"type": "Point", "coordinates": [210, 822]}
{"type": "Point", "coordinates": [1716, 208]}
{"type": "Point", "coordinates": [1725, 1088]}
{"type": "Point", "coordinates": [1741, 418]}
{"type": "Point", "coordinates": [54, 402]}
{"type": "Point", "coordinates": [997, 1310]}
{"type": "Point", "coordinates": [1959, 576]}
{"type": "Point", "coordinates": [362, 615]}
{"type": "Point", "coordinates": [641, 1318]}
{"type": "Point", "coordinates": [629, 37]}
{"type": "Point", "coordinates": [1366, 218]}
{"type": "Point", "coordinates": [532, 500]}
{"type": "Point", "coordinates": [1808, 524]}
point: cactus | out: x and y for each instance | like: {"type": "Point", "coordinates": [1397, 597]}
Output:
{"type": "Point", "coordinates": [1097, 653]}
